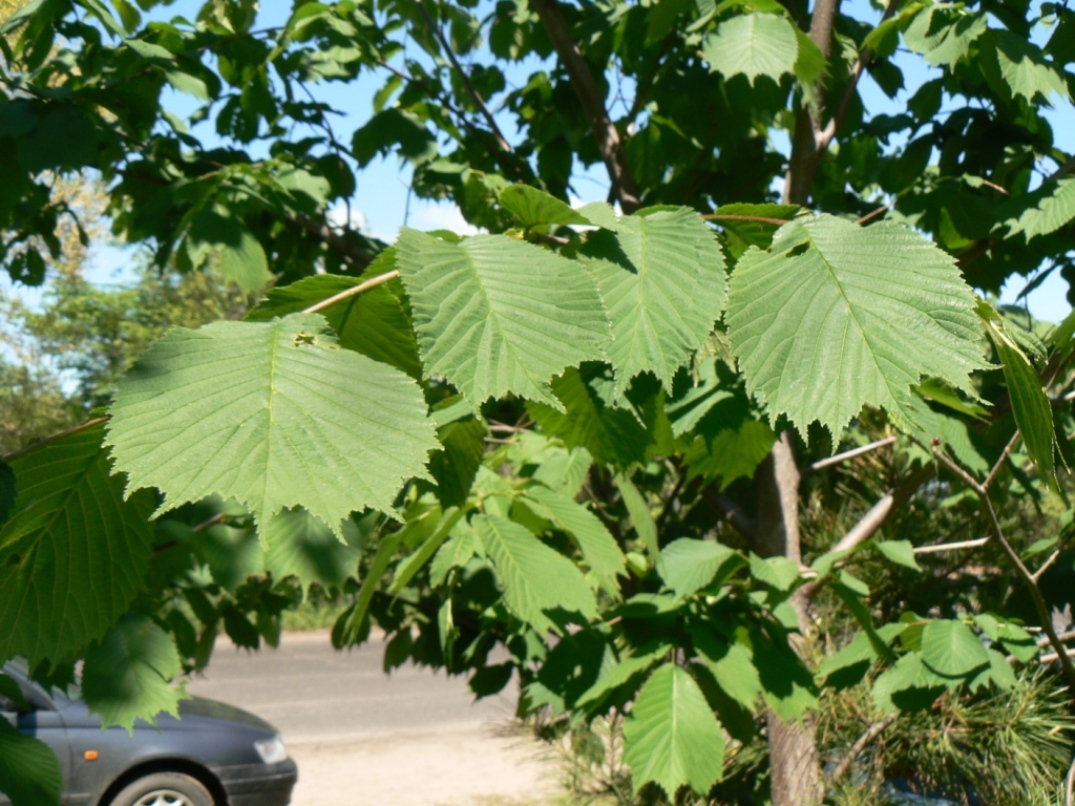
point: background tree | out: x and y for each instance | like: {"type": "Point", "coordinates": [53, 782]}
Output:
{"type": "Point", "coordinates": [595, 425]}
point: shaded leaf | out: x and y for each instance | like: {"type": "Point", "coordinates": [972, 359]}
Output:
{"type": "Point", "coordinates": [691, 564]}
{"type": "Point", "coordinates": [597, 545]}
{"type": "Point", "coordinates": [753, 45]}
{"type": "Point", "coordinates": [899, 551]}
{"type": "Point", "coordinates": [29, 772]}
{"type": "Point", "coordinates": [302, 546]}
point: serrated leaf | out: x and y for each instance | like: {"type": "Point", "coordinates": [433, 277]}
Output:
{"type": "Point", "coordinates": [1025, 69]}
{"type": "Point", "coordinates": [779, 572]}
{"type": "Point", "coordinates": [127, 674]}
{"type": "Point", "coordinates": [535, 579]}
{"type": "Point", "coordinates": [597, 544]}
{"type": "Point", "coordinates": [217, 235]}
{"type": "Point", "coordinates": [406, 570]}
{"type": "Point", "coordinates": [461, 546]}
{"type": "Point", "coordinates": [691, 564]}
{"type": "Point", "coordinates": [837, 316]}
{"type": "Point", "coordinates": [73, 553]}
{"type": "Point", "coordinates": [908, 685]}
{"type": "Point", "coordinates": [900, 552]}
{"type": "Point", "coordinates": [951, 648]}
{"type": "Point", "coordinates": [732, 453]}
{"type": "Point", "coordinates": [496, 315]}
{"type": "Point", "coordinates": [274, 415]}
{"type": "Point", "coordinates": [535, 208]}
{"type": "Point", "coordinates": [611, 435]}
{"type": "Point", "coordinates": [302, 546]}
{"type": "Point", "coordinates": [1054, 206]}
{"type": "Point", "coordinates": [372, 323]}
{"type": "Point", "coordinates": [1030, 405]}
{"type": "Point", "coordinates": [662, 279]}
{"type": "Point", "coordinates": [618, 675]}
{"type": "Point", "coordinates": [29, 771]}
{"type": "Point", "coordinates": [455, 465]}
{"type": "Point", "coordinates": [565, 470]}
{"type": "Point", "coordinates": [672, 736]}
{"type": "Point", "coordinates": [753, 45]}
{"type": "Point", "coordinates": [943, 35]}
{"type": "Point", "coordinates": [732, 666]}
{"type": "Point", "coordinates": [787, 685]}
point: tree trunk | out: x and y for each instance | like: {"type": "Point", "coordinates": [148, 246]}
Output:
{"type": "Point", "coordinates": [793, 757]}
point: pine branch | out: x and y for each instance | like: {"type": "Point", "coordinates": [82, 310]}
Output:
{"type": "Point", "coordinates": [605, 132]}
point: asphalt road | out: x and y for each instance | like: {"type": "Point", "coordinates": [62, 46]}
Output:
{"type": "Point", "coordinates": [360, 736]}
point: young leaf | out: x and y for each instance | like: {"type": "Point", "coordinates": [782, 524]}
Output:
{"type": "Point", "coordinates": [662, 278]}
{"type": "Point", "coordinates": [73, 553]}
{"type": "Point", "coordinates": [534, 208]}
{"type": "Point", "coordinates": [672, 736]}
{"type": "Point", "coordinates": [618, 675]}
{"type": "Point", "coordinates": [951, 648]}
{"type": "Point", "coordinates": [597, 545]}
{"type": "Point", "coordinates": [127, 674]}
{"type": "Point", "coordinates": [691, 564]}
{"type": "Point", "coordinates": [900, 552]}
{"type": "Point", "coordinates": [732, 667]}
{"type": "Point", "coordinates": [496, 315]}
{"type": "Point", "coordinates": [29, 772]}
{"type": "Point", "coordinates": [1030, 405]}
{"type": "Point", "coordinates": [1025, 69]}
{"type": "Point", "coordinates": [821, 328]}
{"type": "Point", "coordinates": [753, 45]}
{"type": "Point", "coordinates": [1053, 206]}
{"type": "Point", "coordinates": [238, 408]}
{"type": "Point", "coordinates": [535, 579]}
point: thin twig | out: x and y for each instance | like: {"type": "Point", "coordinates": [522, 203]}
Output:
{"type": "Point", "coordinates": [957, 546]}
{"type": "Point", "coordinates": [872, 732]}
{"type": "Point", "coordinates": [213, 521]}
{"type": "Point", "coordinates": [837, 458]}
{"type": "Point", "coordinates": [380, 279]}
{"type": "Point", "coordinates": [1053, 657]}
{"type": "Point", "coordinates": [478, 100]}
{"type": "Point", "coordinates": [41, 443]}
{"type": "Point", "coordinates": [1064, 636]}
{"type": "Point", "coordinates": [1028, 578]}
{"type": "Point", "coordinates": [1045, 565]}
{"type": "Point", "coordinates": [1000, 462]}
{"type": "Point", "coordinates": [873, 214]}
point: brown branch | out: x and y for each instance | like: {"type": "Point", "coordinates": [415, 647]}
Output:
{"type": "Point", "coordinates": [1028, 578]}
{"type": "Point", "coordinates": [41, 443]}
{"type": "Point", "coordinates": [863, 741]}
{"type": "Point", "coordinates": [1046, 565]}
{"type": "Point", "coordinates": [875, 518]}
{"type": "Point", "coordinates": [380, 279]}
{"type": "Point", "coordinates": [850, 454]}
{"type": "Point", "coordinates": [874, 213]}
{"type": "Point", "coordinates": [340, 245]}
{"type": "Point", "coordinates": [1000, 462]}
{"type": "Point", "coordinates": [464, 77]}
{"type": "Point", "coordinates": [1064, 636]}
{"type": "Point", "coordinates": [731, 512]}
{"type": "Point", "coordinates": [605, 132]}
{"type": "Point", "coordinates": [959, 545]}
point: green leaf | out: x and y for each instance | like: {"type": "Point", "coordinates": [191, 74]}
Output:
{"type": "Point", "coordinates": [73, 553]}
{"type": "Point", "coordinates": [597, 545]}
{"type": "Point", "coordinates": [908, 685]}
{"type": "Point", "coordinates": [413, 564]}
{"type": "Point", "coordinates": [300, 545]}
{"type": "Point", "coordinates": [662, 278]}
{"type": "Point", "coordinates": [1053, 207]}
{"type": "Point", "coordinates": [900, 552]}
{"type": "Point", "coordinates": [787, 685]}
{"type": "Point", "coordinates": [497, 315]}
{"type": "Point", "coordinates": [535, 579]}
{"type": "Point", "coordinates": [732, 666]}
{"type": "Point", "coordinates": [1025, 69]}
{"type": "Point", "coordinates": [393, 131]}
{"type": "Point", "coordinates": [372, 323]}
{"type": "Point", "coordinates": [234, 253]}
{"type": "Point", "coordinates": [943, 35]}
{"type": "Point", "coordinates": [672, 736]}
{"type": "Point", "coordinates": [951, 648]}
{"type": "Point", "coordinates": [753, 45]}
{"type": "Point", "coordinates": [7, 491]}
{"type": "Point", "coordinates": [455, 466]}
{"type": "Point", "coordinates": [1030, 405]}
{"type": "Point", "coordinates": [610, 435]}
{"type": "Point", "coordinates": [821, 328]}
{"type": "Point", "coordinates": [779, 572]}
{"type": "Point", "coordinates": [29, 772]}
{"type": "Point", "coordinates": [461, 546]}
{"type": "Point", "coordinates": [252, 411]}
{"type": "Point", "coordinates": [732, 453]}
{"type": "Point", "coordinates": [127, 674]}
{"type": "Point", "coordinates": [641, 517]}
{"type": "Point", "coordinates": [691, 564]}
{"type": "Point", "coordinates": [536, 208]}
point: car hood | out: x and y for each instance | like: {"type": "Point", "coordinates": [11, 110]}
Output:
{"type": "Point", "coordinates": [211, 709]}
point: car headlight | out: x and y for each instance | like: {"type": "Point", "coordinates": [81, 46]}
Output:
{"type": "Point", "coordinates": [272, 751]}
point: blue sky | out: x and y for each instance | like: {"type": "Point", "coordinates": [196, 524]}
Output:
{"type": "Point", "coordinates": [381, 205]}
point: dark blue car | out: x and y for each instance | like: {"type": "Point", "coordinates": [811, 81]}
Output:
{"type": "Point", "coordinates": [214, 755]}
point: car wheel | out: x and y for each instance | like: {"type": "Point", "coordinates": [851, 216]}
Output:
{"type": "Point", "coordinates": [164, 789]}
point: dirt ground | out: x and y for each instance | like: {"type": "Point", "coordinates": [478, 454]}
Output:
{"type": "Point", "coordinates": [472, 766]}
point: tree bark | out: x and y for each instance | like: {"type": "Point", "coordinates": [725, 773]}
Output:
{"type": "Point", "coordinates": [794, 769]}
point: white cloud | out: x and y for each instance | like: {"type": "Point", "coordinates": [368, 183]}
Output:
{"type": "Point", "coordinates": [431, 215]}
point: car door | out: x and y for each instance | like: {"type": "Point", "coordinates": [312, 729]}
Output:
{"type": "Point", "coordinates": [39, 718]}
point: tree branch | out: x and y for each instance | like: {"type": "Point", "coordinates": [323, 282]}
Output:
{"type": "Point", "coordinates": [850, 454]}
{"type": "Point", "coordinates": [465, 78]}
{"type": "Point", "coordinates": [731, 512]}
{"type": "Point", "coordinates": [380, 279]}
{"type": "Point", "coordinates": [1028, 578]}
{"type": "Point", "coordinates": [863, 741]}
{"type": "Point", "coordinates": [41, 443]}
{"type": "Point", "coordinates": [758, 219]}
{"type": "Point", "coordinates": [605, 132]}
{"type": "Point", "coordinates": [343, 247]}
{"type": "Point", "coordinates": [956, 546]}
